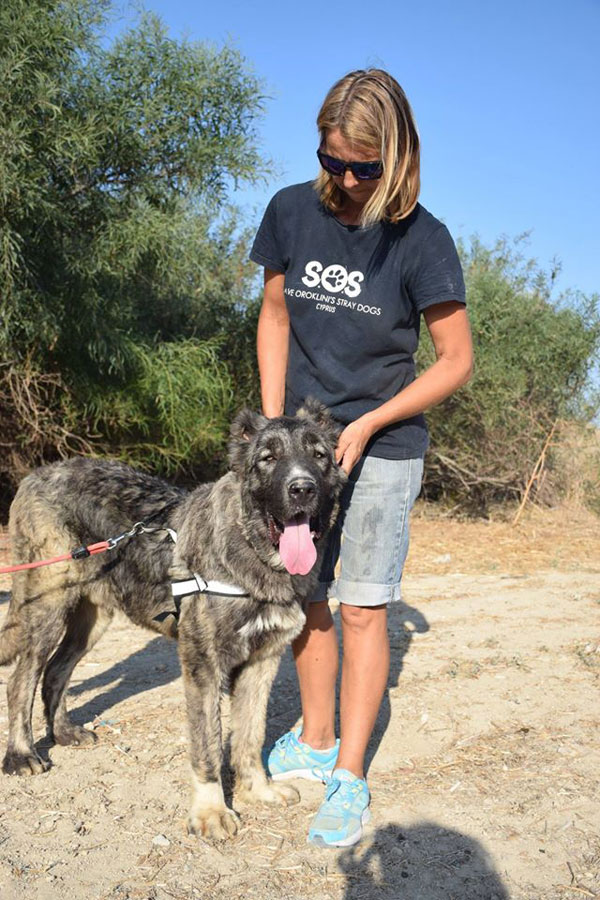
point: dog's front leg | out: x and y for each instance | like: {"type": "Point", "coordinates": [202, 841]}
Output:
{"type": "Point", "coordinates": [209, 814]}
{"type": "Point", "coordinates": [248, 718]}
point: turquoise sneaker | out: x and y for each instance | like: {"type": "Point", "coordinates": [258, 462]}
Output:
{"type": "Point", "coordinates": [345, 809]}
{"type": "Point", "coordinates": [291, 758]}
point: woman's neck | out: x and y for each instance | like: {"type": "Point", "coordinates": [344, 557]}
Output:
{"type": "Point", "coordinates": [350, 212]}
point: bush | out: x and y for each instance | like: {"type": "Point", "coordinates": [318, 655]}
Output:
{"type": "Point", "coordinates": [123, 274]}
{"type": "Point", "coordinates": [574, 475]}
{"type": "Point", "coordinates": [533, 367]}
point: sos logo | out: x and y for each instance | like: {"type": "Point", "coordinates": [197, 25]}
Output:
{"type": "Point", "coordinates": [332, 278]}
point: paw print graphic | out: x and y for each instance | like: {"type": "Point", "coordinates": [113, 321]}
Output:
{"type": "Point", "coordinates": [337, 277]}
{"type": "Point", "coordinates": [334, 278]}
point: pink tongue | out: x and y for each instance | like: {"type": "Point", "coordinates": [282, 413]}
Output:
{"type": "Point", "coordinates": [296, 546]}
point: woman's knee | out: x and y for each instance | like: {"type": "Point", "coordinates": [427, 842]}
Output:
{"type": "Point", "coordinates": [318, 631]}
{"type": "Point", "coordinates": [359, 619]}
{"type": "Point", "coordinates": [318, 614]}
{"type": "Point", "coordinates": [318, 619]}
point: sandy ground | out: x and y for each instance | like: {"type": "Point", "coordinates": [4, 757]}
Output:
{"type": "Point", "coordinates": [484, 767]}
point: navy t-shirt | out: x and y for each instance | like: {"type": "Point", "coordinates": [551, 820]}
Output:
{"type": "Point", "coordinates": [354, 297]}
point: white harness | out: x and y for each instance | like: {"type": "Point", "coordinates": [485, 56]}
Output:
{"type": "Point", "coordinates": [198, 585]}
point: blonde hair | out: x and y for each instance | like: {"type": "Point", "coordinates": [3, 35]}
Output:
{"type": "Point", "coordinates": [371, 110]}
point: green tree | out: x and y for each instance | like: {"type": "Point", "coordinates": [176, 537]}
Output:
{"type": "Point", "coordinates": [124, 279]}
{"type": "Point", "coordinates": [534, 367]}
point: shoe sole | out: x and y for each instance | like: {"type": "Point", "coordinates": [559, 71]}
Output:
{"type": "Point", "coordinates": [354, 838]}
{"type": "Point", "coordinates": [306, 774]}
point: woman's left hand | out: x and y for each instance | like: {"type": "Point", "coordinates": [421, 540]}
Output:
{"type": "Point", "coordinates": [352, 442]}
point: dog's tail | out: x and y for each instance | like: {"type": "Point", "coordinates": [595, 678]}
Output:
{"type": "Point", "coordinates": [10, 639]}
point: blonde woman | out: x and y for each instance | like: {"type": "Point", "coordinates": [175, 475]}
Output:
{"type": "Point", "coordinates": [352, 261]}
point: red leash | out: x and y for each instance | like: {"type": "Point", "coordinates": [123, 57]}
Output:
{"type": "Point", "coordinates": [74, 554]}
{"type": "Point", "coordinates": [80, 552]}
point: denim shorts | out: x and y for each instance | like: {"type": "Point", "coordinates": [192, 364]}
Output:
{"type": "Point", "coordinates": [370, 538]}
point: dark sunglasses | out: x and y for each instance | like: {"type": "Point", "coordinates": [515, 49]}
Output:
{"type": "Point", "coordinates": [364, 171]}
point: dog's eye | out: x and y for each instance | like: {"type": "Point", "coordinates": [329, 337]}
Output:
{"type": "Point", "coordinates": [319, 454]}
{"type": "Point", "coordinates": [267, 458]}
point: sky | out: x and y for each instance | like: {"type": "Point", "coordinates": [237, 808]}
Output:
{"type": "Point", "coordinates": [506, 98]}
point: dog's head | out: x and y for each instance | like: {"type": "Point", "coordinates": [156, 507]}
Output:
{"type": "Point", "coordinates": [290, 479]}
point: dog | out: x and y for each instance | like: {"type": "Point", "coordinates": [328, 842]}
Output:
{"type": "Point", "coordinates": [259, 530]}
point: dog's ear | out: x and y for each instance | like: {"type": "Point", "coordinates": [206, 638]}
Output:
{"type": "Point", "coordinates": [243, 429]}
{"type": "Point", "coordinates": [316, 411]}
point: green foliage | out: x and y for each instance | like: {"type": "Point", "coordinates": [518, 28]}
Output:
{"type": "Point", "coordinates": [176, 407]}
{"type": "Point", "coordinates": [123, 274]}
{"type": "Point", "coordinates": [533, 366]}
{"type": "Point", "coordinates": [128, 307]}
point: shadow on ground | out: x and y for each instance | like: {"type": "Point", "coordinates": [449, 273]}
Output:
{"type": "Point", "coordinates": [403, 622]}
{"type": "Point", "coordinates": [422, 862]}
{"type": "Point", "coordinates": [284, 704]}
{"type": "Point", "coordinates": [153, 666]}
{"type": "Point", "coordinates": [157, 664]}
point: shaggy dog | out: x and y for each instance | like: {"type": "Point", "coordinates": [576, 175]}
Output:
{"type": "Point", "coordinates": [260, 529]}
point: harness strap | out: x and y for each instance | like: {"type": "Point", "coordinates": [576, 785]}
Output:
{"type": "Point", "coordinates": [198, 585]}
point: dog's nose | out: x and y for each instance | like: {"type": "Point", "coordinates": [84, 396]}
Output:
{"type": "Point", "coordinates": [302, 488]}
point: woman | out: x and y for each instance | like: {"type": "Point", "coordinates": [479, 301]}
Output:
{"type": "Point", "coordinates": [351, 262]}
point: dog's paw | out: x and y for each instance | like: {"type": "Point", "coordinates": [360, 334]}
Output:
{"type": "Point", "coordinates": [213, 824]}
{"type": "Point", "coordinates": [74, 736]}
{"type": "Point", "coordinates": [24, 764]}
{"type": "Point", "coordinates": [269, 792]}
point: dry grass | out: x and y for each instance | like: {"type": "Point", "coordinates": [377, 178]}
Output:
{"type": "Point", "coordinates": [576, 465]}
{"type": "Point", "coordinates": [511, 752]}
{"type": "Point", "coordinates": [565, 538]}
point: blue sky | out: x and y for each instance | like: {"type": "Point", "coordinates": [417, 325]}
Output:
{"type": "Point", "coordinates": [506, 97]}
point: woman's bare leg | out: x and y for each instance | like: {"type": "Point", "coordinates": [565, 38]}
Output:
{"type": "Point", "coordinates": [365, 668]}
{"type": "Point", "coordinates": [316, 655]}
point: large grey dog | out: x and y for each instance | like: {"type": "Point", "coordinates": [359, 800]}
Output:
{"type": "Point", "coordinates": [260, 529]}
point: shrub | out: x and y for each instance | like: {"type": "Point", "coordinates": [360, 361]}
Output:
{"type": "Point", "coordinates": [123, 274]}
{"type": "Point", "coordinates": [534, 361]}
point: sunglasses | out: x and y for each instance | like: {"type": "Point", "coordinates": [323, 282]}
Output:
{"type": "Point", "coordinates": [363, 171]}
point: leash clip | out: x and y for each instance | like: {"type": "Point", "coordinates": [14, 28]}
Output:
{"type": "Point", "coordinates": [136, 529]}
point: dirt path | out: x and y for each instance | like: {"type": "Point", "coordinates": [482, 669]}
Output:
{"type": "Point", "coordinates": [485, 764]}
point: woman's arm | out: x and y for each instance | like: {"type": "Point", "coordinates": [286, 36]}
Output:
{"type": "Point", "coordinates": [272, 341]}
{"type": "Point", "coordinates": [449, 329]}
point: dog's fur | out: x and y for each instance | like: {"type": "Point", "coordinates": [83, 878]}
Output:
{"type": "Point", "coordinates": [226, 531]}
